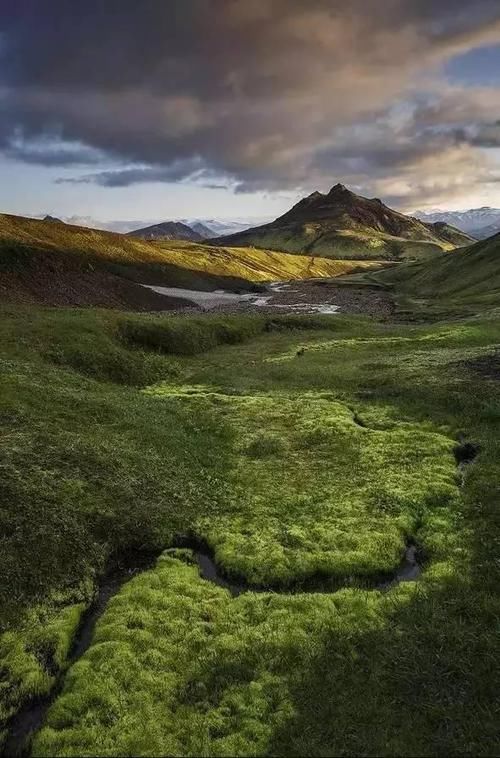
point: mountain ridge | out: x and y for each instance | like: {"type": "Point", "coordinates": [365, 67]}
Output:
{"type": "Point", "coordinates": [342, 224]}
{"type": "Point", "coordinates": [479, 222]}
{"type": "Point", "coordinates": [63, 264]}
{"type": "Point", "coordinates": [200, 228]}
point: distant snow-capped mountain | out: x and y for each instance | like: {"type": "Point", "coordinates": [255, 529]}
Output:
{"type": "Point", "coordinates": [478, 222]}
{"type": "Point", "coordinates": [220, 226]}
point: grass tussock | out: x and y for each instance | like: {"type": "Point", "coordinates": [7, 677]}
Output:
{"type": "Point", "coordinates": [189, 336]}
{"type": "Point", "coordinates": [193, 335]}
{"type": "Point", "coordinates": [313, 492]}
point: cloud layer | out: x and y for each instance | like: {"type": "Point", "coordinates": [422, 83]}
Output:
{"type": "Point", "coordinates": [268, 94]}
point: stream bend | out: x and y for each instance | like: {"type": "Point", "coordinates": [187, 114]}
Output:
{"type": "Point", "coordinates": [30, 717]}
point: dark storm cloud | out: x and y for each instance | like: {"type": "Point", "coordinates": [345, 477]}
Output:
{"type": "Point", "coordinates": [175, 172]}
{"type": "Point", "coordinates": [41, 155]}
{"type": "Point", "coordinates": [263, 93]}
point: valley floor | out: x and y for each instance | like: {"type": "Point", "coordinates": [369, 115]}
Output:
{"type": "Point", "coordinates": [313, 296]}
{"type": "Point", "coordinates": [306, 455]}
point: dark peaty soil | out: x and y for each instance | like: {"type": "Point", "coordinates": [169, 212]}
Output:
{"type": "Point", "coordinates": [98, 289]}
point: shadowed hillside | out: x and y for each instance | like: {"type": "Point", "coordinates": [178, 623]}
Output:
{"type": "Point", "coordinates": [344, 225]}
{"type": "Point", "coordinates": [468, 278]}
{"type": "Point", "coordinates": [60, 264]}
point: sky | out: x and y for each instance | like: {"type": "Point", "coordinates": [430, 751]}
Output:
{"type": "Point", "coordinates": [125, 111]}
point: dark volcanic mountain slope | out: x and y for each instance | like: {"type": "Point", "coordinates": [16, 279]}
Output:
{"type": "Point", "coordinates": [342, 224]}
{"type": "Point", "coordinates": [168, 230]}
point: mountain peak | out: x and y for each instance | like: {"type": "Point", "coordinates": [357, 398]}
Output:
{"type": "Point", "coordinates": [343, 223]}
{"type": "Point", "coordinates": [167, 230]}
{"type": "Point", "coordinates": [339, 189]}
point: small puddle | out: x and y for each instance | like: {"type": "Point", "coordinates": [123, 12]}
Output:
{"type": "Point", "coordinates": [465, 453]}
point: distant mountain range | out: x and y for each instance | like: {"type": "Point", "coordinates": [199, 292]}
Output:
{"type": "Point", "coordinates": [167, 230]}
{"type": "Point", "coordinates": [338, 224]}
{"type": "Point", "coordinates": [207, 228]}
{"type": "Point", "coordinates": [218, 227]}
{"type": "Point", "coordinates": [195, 231]}
{"type": "Point", "coordinates": [341, 224]}
{"type": "Point", "coordinates": [478, 222]}
{"type": "Point", "coordinates": [204, 231]}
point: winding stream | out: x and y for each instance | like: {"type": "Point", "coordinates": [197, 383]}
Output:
{"type": "Point", "coordinates": [408, 570]}
{"type": "Point", "coordinates": [29, 719]}
{"type": "Point", "coordinates": [212, 299]}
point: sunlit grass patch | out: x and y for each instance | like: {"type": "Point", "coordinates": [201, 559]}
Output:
{"type": "Point", "coordinates": [456, 334]}
{"type": "Point", "coordinates": [31, 657]}
{"type": "Point", "coordinates": [177, 667]}
{"type": "Point", "coordinates": [311, 491]}
{"type": "Point", "coordinates": [354, 453]}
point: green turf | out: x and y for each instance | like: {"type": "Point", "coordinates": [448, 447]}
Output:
{"type": "Point", "coordinates": [307, 495]}
{"type": "Point", "coordinates": [287, 465]}
{"type": "Point", "coordinates": [467, 283]}
{"type": "Point", "coordinates": [330, 241]}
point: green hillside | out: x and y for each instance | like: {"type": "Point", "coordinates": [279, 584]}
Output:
{"type": "Point", "coordinates": [258, 265]}
{"type": "Point", "coordinates": [347, 226]}
{"type": "Point", "coordinates": [468, 279]}
{"type": "Point", "coordinates": [339, 476]}
{"type": "Point", "coordinates": [57, 263]}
